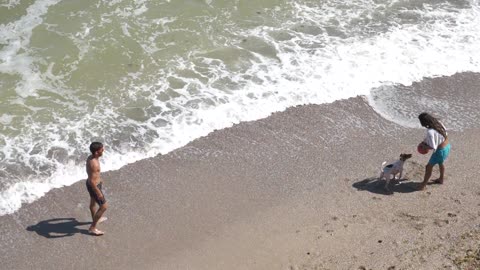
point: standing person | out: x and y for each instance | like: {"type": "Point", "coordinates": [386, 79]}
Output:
{"type": "Point", "coordinates": [436, 139]}
{"type": "Point", "coordinates": [94, 187]}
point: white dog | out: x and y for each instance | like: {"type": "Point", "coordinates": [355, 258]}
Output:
{"type": "Point", "coordinates": [393, 169]}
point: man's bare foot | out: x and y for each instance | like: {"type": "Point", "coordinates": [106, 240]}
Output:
{"type": "Point", "coordinates": [437, 181]}
{"type": "Point", "coordinates": [422, 186]}
{"type": "Point", "coordinates": [95, 232]}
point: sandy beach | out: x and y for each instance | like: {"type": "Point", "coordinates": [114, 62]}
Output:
{"type": "Point", "coordinates": [297, 190]}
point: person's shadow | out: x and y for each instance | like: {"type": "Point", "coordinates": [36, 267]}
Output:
{"type": "Point", "coordinates": [375, 185]}
{"type": "Point", "coordinates": [58, 227]}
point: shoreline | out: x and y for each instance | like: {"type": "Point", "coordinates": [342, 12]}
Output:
{"type": "Point", "coordinates": [296, 190]}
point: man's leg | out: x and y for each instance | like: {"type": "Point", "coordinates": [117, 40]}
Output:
{"type": "Point", "coordinates": [92, 207]}
{"type": "Point", "coordinates": [97, 217]}
{"type": "Point", "coordinates": [428, 173]}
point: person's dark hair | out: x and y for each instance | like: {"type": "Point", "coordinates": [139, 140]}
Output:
{"type": "Point", "coordinates": [428, 121]}
{"type": "Point", "coordinates": [95, 146]}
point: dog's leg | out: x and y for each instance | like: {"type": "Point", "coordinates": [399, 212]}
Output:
{"type": "Point", "coordinates": [382, 172]}
{"type": "Point", "coordinates": [387, 181]}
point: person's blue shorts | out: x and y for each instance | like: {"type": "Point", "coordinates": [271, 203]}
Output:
{"type": "Point", "coordinates": [439, 156]}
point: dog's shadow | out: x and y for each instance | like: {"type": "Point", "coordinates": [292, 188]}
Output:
{"type": "Point", "coordinates": [375, 185]}
{"type": "Point", "coordinates": [58, 227]}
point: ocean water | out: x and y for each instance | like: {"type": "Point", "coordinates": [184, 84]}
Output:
{"type": "Point", "coordinates": [146, 77]}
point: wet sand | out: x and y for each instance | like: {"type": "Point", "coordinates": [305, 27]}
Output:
{"type": "Point", "coordinates": [297, 190]}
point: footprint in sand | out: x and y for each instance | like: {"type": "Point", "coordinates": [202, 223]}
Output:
{"type": "Point", "coordinates": [441, 222]}
{"type": "Point", "coordinates": [409, 216]}
{"type": "Point", "coordinates": [457, 201]}
{"type": "Point", "coordinates": [419, 226]}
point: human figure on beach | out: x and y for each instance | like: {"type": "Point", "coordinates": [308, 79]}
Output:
{"type": "Point", "coordinates": [436, 139]}
{"type": "Point", "coordinates": [94, 187]}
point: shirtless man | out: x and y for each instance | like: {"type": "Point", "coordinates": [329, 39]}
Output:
{"type": "Point", "coordinates": [94, 187]}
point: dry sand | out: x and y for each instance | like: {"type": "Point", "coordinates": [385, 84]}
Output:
{"type": "Point", "coordinates": [297, 190]}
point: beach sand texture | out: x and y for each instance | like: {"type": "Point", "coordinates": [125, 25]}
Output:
{"type": "Point", "coordinates": [297, 190]}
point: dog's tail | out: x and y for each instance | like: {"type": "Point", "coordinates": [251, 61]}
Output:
{"type": "Point", "coordinates": [383, 166]}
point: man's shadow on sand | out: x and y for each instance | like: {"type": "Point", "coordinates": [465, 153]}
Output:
{"type": "Point", "coordinates": [58, 227]}
{"type": "Point", "coordinates": [375, 185]}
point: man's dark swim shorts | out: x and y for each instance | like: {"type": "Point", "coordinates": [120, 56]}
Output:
{"type": "Point", "coordinates": [94, 195]}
